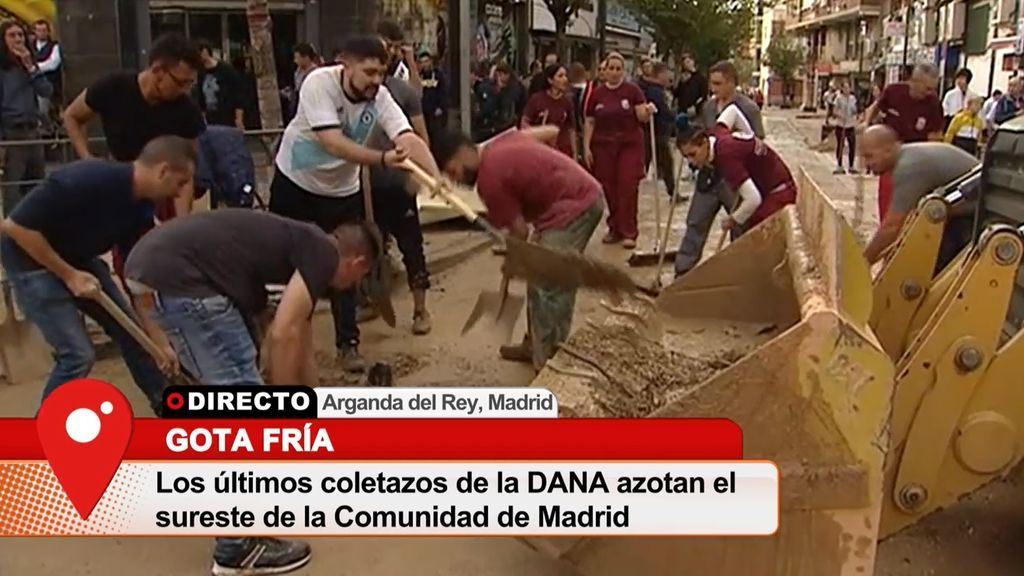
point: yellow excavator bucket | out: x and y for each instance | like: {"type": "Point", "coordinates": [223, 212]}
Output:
{"type": "Point", "coordinates": [773, 332]}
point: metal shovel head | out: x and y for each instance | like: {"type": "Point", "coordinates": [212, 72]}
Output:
{"type": "Point", "coordinates": [563, 268]}
{"type": "Point", "coordinates": [505, 314]}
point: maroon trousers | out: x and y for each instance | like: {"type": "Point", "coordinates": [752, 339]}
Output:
{"type": "Point", "coordinates": [619, 167]}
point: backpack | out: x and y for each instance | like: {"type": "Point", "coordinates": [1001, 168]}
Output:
{"type": "Point", "coordinates": [225, 167]}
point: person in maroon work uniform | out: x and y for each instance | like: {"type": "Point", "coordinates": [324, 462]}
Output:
{"type": "Point", "coordinates": [552, 106]}
{"type": "Point", "coordinates": [613, 147]}
{"type": "Point", "coordinates": [912, 109]}
{"type": "Point", "coordinates": [525, 182]}
{"type": "Point", "coordinates": [752, 169]}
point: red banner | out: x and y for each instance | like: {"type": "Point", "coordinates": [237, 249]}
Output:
{"type": "Point", "coordinates": [463, 439]}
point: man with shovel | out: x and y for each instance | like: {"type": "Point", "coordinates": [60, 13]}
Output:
{"type": "Point", "coordinates": [525, 182]}
{"type": "Point", "coordinates": [317, 168]}
{"type": "Point", "coordinates": [52, 243]}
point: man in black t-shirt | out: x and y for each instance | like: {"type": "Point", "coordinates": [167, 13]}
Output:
{"type": "Point", "coordinates": [53, 240]}
{"type": "Point", "coordinates": [220, 91]}
{"type": "Point", "coordinates": [135, 108]}
{"type": "Point", "coordinates": [201, 303]}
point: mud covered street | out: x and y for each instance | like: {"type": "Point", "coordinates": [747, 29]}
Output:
{"type": "Point", "coordinates": [978, 536]}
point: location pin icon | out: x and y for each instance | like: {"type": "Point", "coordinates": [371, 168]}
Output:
{"type": "Point", "coordinates": [84, 427]}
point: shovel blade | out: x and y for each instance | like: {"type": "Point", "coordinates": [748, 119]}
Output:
{"type": "Point", "coordinates": [508, 316]}
{"type": "Point", "coordinates": [488, 302]}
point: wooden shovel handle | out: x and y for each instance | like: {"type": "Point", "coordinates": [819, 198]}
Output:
{"type": "Point", "coordinates": [130, 325]}
{"type": "Point", "coordinates": [450, 197]}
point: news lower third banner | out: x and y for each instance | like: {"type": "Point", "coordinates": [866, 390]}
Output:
{"type": "Point", "coordinates": [85, 466]}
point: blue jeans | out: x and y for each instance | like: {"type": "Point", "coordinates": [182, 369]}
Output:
{"type": "Point", "coordinates": [49, 305]}
{"type": "Point", "coordinates": [211, 339]}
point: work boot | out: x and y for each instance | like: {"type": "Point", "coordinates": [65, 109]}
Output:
{"type": "Point", "coordinates": [421, 324]}
{"type": "Point", "coordinates": [366, 313]}
{"type": "Point", "coordinates": [263, 556]}
{"type": "Point", "coordinates": [517, 352]}
{"type": "Point", "coordinates": [351, 360]}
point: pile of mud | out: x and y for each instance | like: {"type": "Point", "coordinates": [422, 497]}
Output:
{"type": "Point", "coordinates": [630, 376]}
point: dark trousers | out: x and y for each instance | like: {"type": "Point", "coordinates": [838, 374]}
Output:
{"type": "Point", "coordinates": [969, 145]}
{"type": "Point", "coordinates": [666, 165]}
{"type": "Point", "coordinates": [288, 199]}
{"type": "Point", "coordinates": [397, 215]}
{"type": "Point", "coordinates": [21, 164]}
{"type": "Point", "coordinates": [849, 136]}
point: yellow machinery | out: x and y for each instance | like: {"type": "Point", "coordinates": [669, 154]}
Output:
{"type": "Point", "coordinates": [881, 400]}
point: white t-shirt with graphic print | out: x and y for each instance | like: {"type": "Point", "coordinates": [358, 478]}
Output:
{"type": "Point", "coordinates": [324, 105]}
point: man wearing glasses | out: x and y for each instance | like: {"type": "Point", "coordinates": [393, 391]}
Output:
{"type": "Point", "coordinates": [136, 108]}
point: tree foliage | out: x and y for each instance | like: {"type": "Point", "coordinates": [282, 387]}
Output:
{"type": "Point", "coordinates": [710, 30]}
{"type": "Point", "coordinates": [784, 57]}
{"type": "Point", "coordinates": [563, 11]}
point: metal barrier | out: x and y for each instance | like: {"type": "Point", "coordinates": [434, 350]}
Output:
{"type": "Point", "coordinates": [268, 139]}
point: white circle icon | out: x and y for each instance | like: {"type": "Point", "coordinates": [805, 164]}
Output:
{"type": "Point", "coordinates": [106, 408]}
{"type": "Point", "coordinates": [83, 425]}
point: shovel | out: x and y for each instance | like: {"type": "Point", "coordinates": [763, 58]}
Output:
{"type": "Point", "coordinates": [535, 263]}
{"type": "Point", "coordinates": [505, 308]}
{"type": "Point", "coordinates": [650, 186]}
{"type": "Point", "coordinates": [132, 327]}
{"type": "Point", "coordinates": [639, 258]}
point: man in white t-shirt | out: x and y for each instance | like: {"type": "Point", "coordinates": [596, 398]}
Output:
{"type": "Point", "coordinates": [317, 176]}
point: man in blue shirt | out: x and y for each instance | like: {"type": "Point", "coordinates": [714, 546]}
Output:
{"type": "Point", "coordinates": [654, 90]}
{"type": "Point", "coordinates": [52, 244]}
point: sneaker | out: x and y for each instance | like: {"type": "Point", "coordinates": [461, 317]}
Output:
{"type": "Point", "coordinates": [351, 360]}
{"type": "Point", "coordinates": [366, 313]}
{"type": "Point", "coordinates": [265, 556]}
{"type": "Point", "coordinates": [839, 171]}
{"type": "Point", "coordinates": [421, 323]}
{"type": "Point", "coordinates": [611, 238]}
{"type": "Point", "coordinates": [853, 171]}
{"type": "Point", "coordinates": [517, 352]}
{"type": "Point", "coordinates": [629, 243]}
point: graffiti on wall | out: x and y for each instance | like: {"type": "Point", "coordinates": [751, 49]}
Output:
{"type": "Point", "coordinates": [28, 11]}
{"type": "Point", "coordinates": [424, 22]}
{"type": "Point", "coordinates": [495, 38]}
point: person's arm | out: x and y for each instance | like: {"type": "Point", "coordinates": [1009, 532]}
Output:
{"type": "Point", "coordinates": [588, 135]}
{"type": "Point", "coordinates": [76, 117]}
{"type": "Point", "coordinates": [419, 126]}
{"type": "Point", "coordinates": [289, 332]}
{"type": "Point", "coordinates": [418, 151]}
{"type": "Point", "coordinates": [40, 85]}
{"type": "Point", "coordinates": [414, 70]}
{"type": "Point", "coordinates": [52, 63]}
{"type": "Point", "coordinates": [887, 233]}
{"type": "Point", "coordinates": [750, 201]}
{"type": "Point", "coordinates": [81, 284]}
{"type": "Point", "coordinates": [547, 134]}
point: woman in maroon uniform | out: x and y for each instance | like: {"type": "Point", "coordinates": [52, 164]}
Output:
{"type": "Point", "coordinates": [552, 106]}
{"type": "Point", "coordinates": [613, 147]}
{"type": "Point", "coordinates": [753, 170]}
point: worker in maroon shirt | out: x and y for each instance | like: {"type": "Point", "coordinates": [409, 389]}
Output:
{"type": "Point", "coordinates": [912, 109]}
{"type": "Point", "coordinates": [525, 182]}
{"type": "Point", "coordinates": [752, 169]}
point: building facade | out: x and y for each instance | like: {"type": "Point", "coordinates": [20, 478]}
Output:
{"type": "Point", "coordinates": [841, 41]}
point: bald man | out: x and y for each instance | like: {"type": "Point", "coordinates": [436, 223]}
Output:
{"type": "Point", "coordinates": [912, 108]}
{"type": "Point", "coordinates": [914, 170]}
